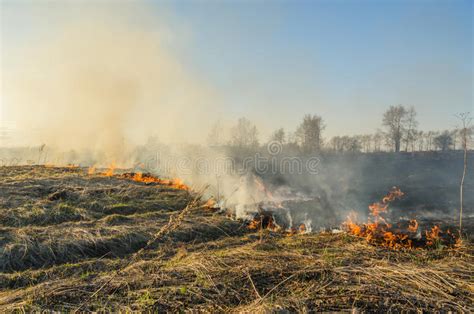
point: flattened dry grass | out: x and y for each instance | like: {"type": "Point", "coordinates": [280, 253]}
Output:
{"type": "Point", "coordinates": [52, 215]}
{"type": "Point", "coordinates": [327, 272]}
{"type": "Point", "coordinates": [209, 263]}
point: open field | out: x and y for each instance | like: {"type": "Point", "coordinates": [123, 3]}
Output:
{"type": "Point", "coordinates": [70, 241]}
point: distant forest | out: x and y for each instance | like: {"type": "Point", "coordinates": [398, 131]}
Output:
{"type": "Point", "coordinates": [398, 132]}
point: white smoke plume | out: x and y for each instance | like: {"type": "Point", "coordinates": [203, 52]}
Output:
{"type": "Point", "coordinates": [102, 84]}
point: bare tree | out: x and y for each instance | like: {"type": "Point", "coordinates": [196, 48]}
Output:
{"type": "Point", "coordinates": [443, 141]}
{"type": "Point", "coordinates": [378, 137]}
{"type": "Point", "coordinates": [414, 138]}
{"type": "Point", "coordinates": [352, 144]}
{"type": "Point", "coordinates": [465, 128]}
{"type": "Point", "coordinates": [309, 133]}
{"type": "Point", "coordinates": [278, 136]}
{"type": "Point", "coordinates": [456, 135]}
{"type": "Point", "coordinates": [430, 135]}
{"type": "Point", "coordinates": [336, 144]}
{"type": "Point", "coordinates": [411, 125]}
{"type": "Point", "coordinates": [292, 138]}
{"type": "Point", "coordinates": [420, 139]}
{"type": "Point", "coordinates": [348, 143]}
{"type": "Point", "coordinates": [364, 142]}
{"type": "Point", "coordinates": [244, 134]}
{"type": "Point", "coordinates": [216, 136]}
{"type": "Point", "coordinates": [394, 120]}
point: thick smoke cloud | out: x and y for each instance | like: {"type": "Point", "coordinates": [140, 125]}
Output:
{"type": "Point", "coordinates": [106, 87]}
{"type": "Point", "coordinates": [103, 85]}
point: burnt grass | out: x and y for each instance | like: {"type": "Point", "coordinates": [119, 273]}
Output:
{"type": "Point", "coordinates": [67, 239]}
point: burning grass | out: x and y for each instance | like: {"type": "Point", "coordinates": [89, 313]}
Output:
{"type": "Point", "coordinates": [209, 263]}
{"type": "Point", "coordinates": [379, 231]}
{"type": "Point", "coordinates": [265, 220]}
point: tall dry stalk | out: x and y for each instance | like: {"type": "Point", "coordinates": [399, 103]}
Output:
{"type": "Point", "coordinates": [465, 122]}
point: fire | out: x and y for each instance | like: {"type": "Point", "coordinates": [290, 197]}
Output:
{"type": "Point", "coordinates": [264, 220]}
{"type": "Point", "coordinates": [413, 226]}
{"type": "Point", "coordinates": [178, 184]}
{"type": "Point", "coordinates": [393, 195]}
{"type": "Point", "coordinates": [353, 228]}
{"type": "Point", "coordinates": [141, 177]}
{"type": "Point", "coordinates": [432, 236]}
{"type": "Point", "coordinates": [110, 171]}
{"type": "Point", "coordinates": [378, 231]}
{"type": "Point", "coordinates": [91, 170]}
{"type": "Point", "coordinates": [302, 228]}
{"type": "Point", "coordinates": [138, 177]}
{"type": "Point", "coordinates": [211, 204]}
{"type": "Point", "coordinates": [255, 224]}
{"type": "Point", "coordinates": [377, 209]}
{"type": "Point", "coordinates": [148, 178]}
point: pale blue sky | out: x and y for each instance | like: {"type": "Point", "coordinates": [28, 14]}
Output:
{"type": "Point", "coordinates": [274, 61]}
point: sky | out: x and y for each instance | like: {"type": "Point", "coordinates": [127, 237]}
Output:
{"type": "Point", "coordinates": [274, 61]}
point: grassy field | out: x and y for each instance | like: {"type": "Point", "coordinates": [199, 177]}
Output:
{"type": "Point", "coordinates": [72, 241]}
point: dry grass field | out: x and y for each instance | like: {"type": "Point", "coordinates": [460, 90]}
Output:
{"type": "Point", "coordinates": [73, 241]}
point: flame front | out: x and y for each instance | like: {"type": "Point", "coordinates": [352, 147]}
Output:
{"type": "Point", "coordinates": [378, 231]}
{"type": "Point", "coordinates": [140, 177]}
{"type": "Point", "coordinates": [91, 170]}
{"type": "Point", "coordinates": [432, 236]}
{"type": "Point", "coordinates": [263, 221]}
{"type": "Point", "coordinates": [148, 178]}
{"type": "Point", "coordinates": [413, 226]}
{"type": "Point", "coordinates": [110, 171]}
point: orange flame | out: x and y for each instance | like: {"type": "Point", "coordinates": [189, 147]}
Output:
{"type": "Point", "coordinates": [413, 226]}
{"type": "Point", "coordinates": [393, 195]}
{"type": "Point", "coordinates": [91, 170]}
{"type": "Point", "coordinates": [382, 235]}
{"type": "Point", "coordinates": [178, 184]}
{"type": "Point", "coordinates": [148, 178]}
{"type": "Point", "coordinates": [432, 236]}
{"type": "Point", "coordinates": [263, 221]}
{"type": "Point", "coordinates": [302, 228]}
{"type": "Point", "coordinates": [210, 204]}
{"type": "Point", "coordinates": [372, 231]}
{"type": "Point", "coordinates": [144, 178]}
{"type": "Point", "coordinates": [294, 231]}
{"type": "Point", "coordinates": [266, 221]}
{"type": "Point", "coordinates": [352, 227]}
{"type": "Point", "coordinates": [110, 171]}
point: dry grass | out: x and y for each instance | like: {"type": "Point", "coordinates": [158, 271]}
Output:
{"type": "Point", "coordinates": [209, 263]}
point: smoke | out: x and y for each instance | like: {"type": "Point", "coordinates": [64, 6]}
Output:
{"type": "Point", "coordinates": [103, 84]}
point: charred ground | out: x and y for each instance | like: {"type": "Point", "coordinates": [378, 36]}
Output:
{"type": "Point", "coordinates": [65, 234]}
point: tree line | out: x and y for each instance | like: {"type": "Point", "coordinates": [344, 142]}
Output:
{"type": "Point", "coordinates": [398, 132]}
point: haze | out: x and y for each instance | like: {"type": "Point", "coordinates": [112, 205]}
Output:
{"type": "Point", "coordinates": [346, 61]}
